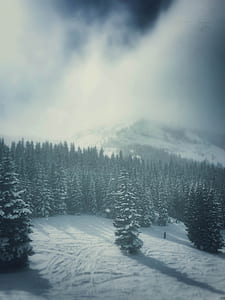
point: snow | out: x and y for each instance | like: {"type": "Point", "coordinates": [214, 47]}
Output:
{"type": "Point", "coordinates": [76, 258]}
{"type": "Point", "coordinates": [186, 143]}
{"type": "Point", "coordinates": [190, 146]}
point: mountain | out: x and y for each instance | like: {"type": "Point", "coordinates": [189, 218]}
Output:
{"type": "Point", "coordinates": [151, 135]}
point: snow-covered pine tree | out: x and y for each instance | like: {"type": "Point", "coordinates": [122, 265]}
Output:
{"type": "Point", "coordinates": [91, 195]}
{"type": "Point", "coordinates": [100, 189]}
{"type": "Point", "coordinates": [183, 192]}
{"type": "Point", "coordinates": [3, 148]}
{"type": "Point", "coordinates": [15, 221]}
{"type": "Point", "coordinates": [192, 215]}
{"type": "Point", "coordinates": [110, 197]}
{"type": "Point", "coordinates": [162, 206]}
{"type": "Point", "coordinates": [202, 219]}
{"type": "Point", "coordinates": [43, 195]}
{"type": "Point", "coordinates": [59, 191]}
{"type": "Point", "coordinates": [75, 197]}
{"type": "Point", "coordinates": [222, 205]}
{"type": "Point", "coordinates": [138, 192]}
{"type": "Point", "coordinates": [144, 203]}
{"type": "Point", "coordinates": [28, 195]}
{"type": "Point", "coordinates": [148, 212]}
{"type": "Point", "coordinates": [125, 222]}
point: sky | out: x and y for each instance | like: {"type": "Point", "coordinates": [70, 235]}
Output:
{"type": "Point", "coordinates": [71, 65]}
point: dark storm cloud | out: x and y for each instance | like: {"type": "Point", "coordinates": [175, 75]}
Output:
{"type": "Point", "coordinates": [205, 56]}
{"type": "Point", "coordinates": [57, 74]}
{"type": "Point", "coordinates": [143, 13]}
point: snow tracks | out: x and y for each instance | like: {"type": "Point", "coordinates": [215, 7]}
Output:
{"type": "Point", "coordinates": [77, 257]}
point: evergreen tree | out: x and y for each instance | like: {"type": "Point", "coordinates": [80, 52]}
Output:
{"type": "Point", "coordinates": [15, 222]}
{"type": "Point", "coordinates": [147, 209]}
{"type": "Point", "coordinates": [59, 191]}
{"type": "Point", "coordinates": [162, 206]}
{"type": "Point", "coordinates": [92, 197]}
{"type": "Point", "coordinates": [74, 198]}
{"type": "Point", "coordinates": [144, 203]}
{"type": "Point", "coordinates": [138, 192]}
{"type": "Point", "coordinates": [100, 190]}
{"type": "Point", "coordinates": [202, 219]}
{"type": "Point", "coordinates": [126, 217]}
{"type": "Point", "coordinates": [110, 198]}
{"type": "Point", "coordinates": [43, 195]}
{"type": "Point", "coordinates": [222, 204]}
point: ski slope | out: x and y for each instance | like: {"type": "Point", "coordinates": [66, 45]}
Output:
{"type": "Point", "coordinates": [75, 258]}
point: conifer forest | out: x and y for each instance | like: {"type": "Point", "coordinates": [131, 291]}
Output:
{"type": "Point", "coordinates": [59, 179]}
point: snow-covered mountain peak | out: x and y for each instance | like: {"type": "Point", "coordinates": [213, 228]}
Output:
{"type": "Point", "coordinates": [187, 143]}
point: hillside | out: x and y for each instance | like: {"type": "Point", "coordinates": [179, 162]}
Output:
{"type": "Point", "coordinates": [75, 258]}
{"type": "Point", "coordinates": [151, 136]}
{"type": "Point", "coordinates": [187, 143]}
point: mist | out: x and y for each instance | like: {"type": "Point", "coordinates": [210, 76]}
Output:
{"type": "Point", "coordinates": [61, 74]}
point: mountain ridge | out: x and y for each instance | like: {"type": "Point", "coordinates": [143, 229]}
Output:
{"type": "Point", "coordinates": [187, 143]}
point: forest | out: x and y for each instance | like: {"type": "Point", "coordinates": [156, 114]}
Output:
{"type": "Point", "coordinates": [59, 179]}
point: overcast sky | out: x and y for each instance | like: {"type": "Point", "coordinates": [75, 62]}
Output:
{"type": "Point", "coordinates": [71, 65]}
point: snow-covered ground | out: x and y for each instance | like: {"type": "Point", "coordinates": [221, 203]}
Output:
{"type": "Point", "coordinates": [76, 259]}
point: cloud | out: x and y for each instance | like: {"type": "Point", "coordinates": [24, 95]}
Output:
{"type": "Point", "coordinates": [30, 59]}
{"type": "Point", "coordinates": [53, 85]}
{"type": "Point", "coordinates": [142, 13]}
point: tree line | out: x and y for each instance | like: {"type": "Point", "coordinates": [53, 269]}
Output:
{"type": "Point", "coordinates": [59, 179]}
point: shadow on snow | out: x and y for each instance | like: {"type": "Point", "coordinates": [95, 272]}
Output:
{"type": "Point", "coordinates": [220, 255]}
{"type": "Point", "coordinates": [25, 279]}
{"type": "Point", "coordinates": [164, 269]}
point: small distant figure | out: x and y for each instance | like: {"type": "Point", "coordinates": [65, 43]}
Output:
{"type": "Point", "coordinates": [164, 235]}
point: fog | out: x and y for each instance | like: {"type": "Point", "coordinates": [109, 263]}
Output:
{"type": "Point", "coordinates": [60, 74]}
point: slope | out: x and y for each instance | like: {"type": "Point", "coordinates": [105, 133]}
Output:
{"type": "Point", "coordinates": [187, 143]}
{"type": "Point", "coordinates": [76, 259]}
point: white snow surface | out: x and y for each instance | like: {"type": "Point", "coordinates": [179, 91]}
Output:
{"type": "Point", "coordinates": [76, 258]}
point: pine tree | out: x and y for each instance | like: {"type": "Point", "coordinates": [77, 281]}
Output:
{"type": "Point", "coordinates": [43, 195]}
{"type": "Point", "coordinates": [125, 222]}
{"type": "Point", "coordinates": [144, 203]}
{"type": "Point", "coordinates": [59, 191]}
{"type": "Point", "coordinates": [222, 204]}
{"type": "Point", "coordinates": [100, 189]}
{"type": "Point", "coordinates": [92, 197]}
{"type": "Point", "coordinates": [15, 222]}
{"type": "Point", "coordinates": [162, 206]}
{"type": "Point", "coordinates": [110, 198]}
{"type": "Point", "coordinates": [74, 199]}
{"type": "Point", "coordinates": [147, 209]}
{"type": "Point", "coordinates": [138, 191]}
{"type": "Point", "coordinates": [202, 219]}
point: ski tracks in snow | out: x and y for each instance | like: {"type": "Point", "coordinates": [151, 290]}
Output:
{"type": "Point", "coordinates": [78, 256]}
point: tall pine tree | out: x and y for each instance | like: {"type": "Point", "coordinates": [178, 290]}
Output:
{"type": "Point", "coordinates": [74, 198]}
{"type": "Point", "coordinates": [126, 217]}
{"type": "Point", "coordinates": [203, 220]}
{"type": "Point", "coordinates": [15, 222]}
